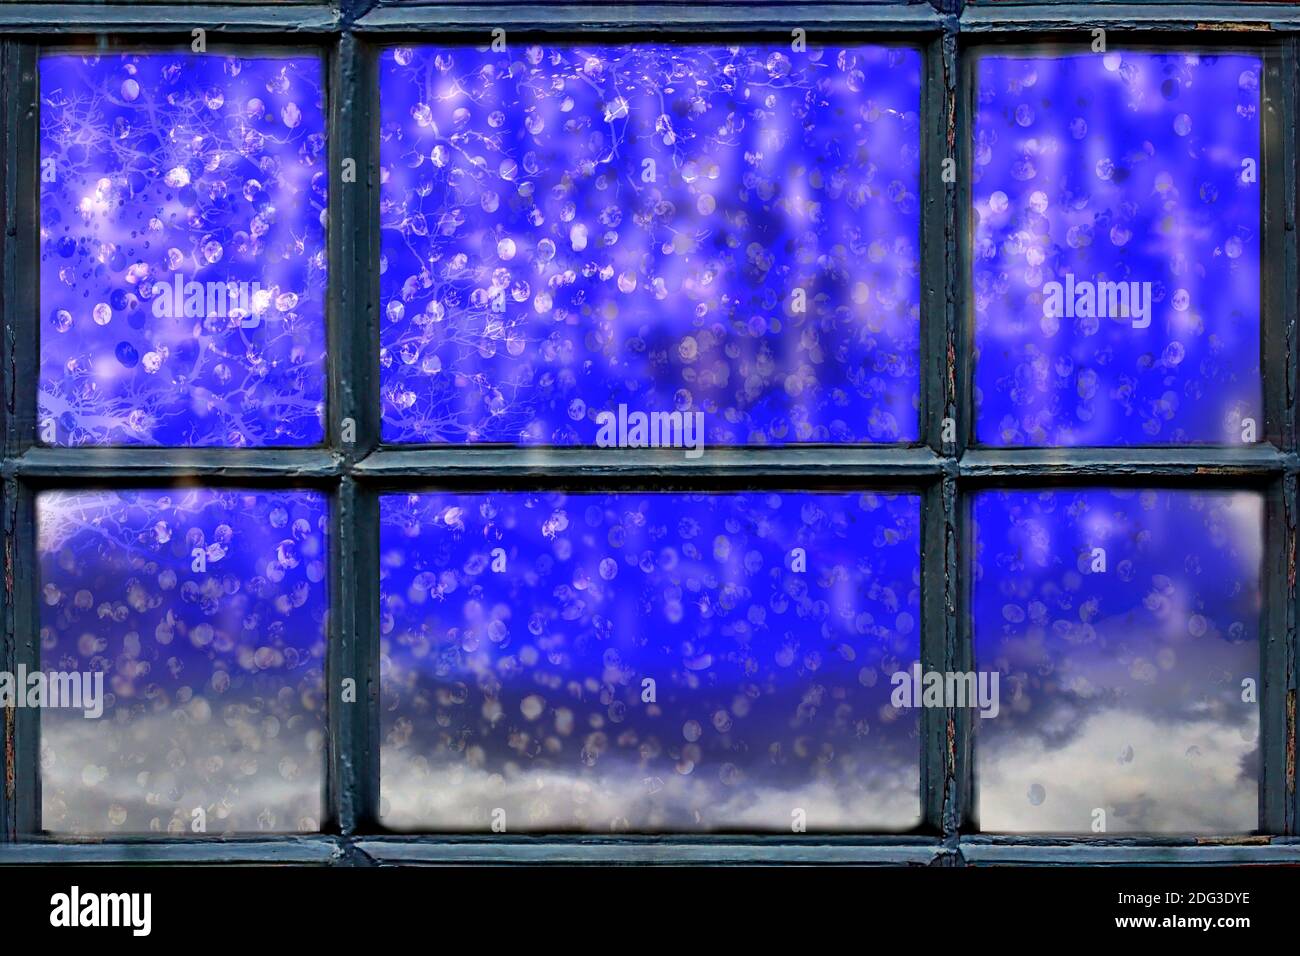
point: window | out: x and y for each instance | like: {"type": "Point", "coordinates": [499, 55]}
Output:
{"type": "Point", "coordinates": [183, 261]}
{"type": "Point", "coordinates": [205, 612]}
{"type": "Point", "coordinates": [732, 231]}
{"type": "Point", "coordinates": [1116, 275]}
{"type": "Point", "coordinates": [648, 662]}
{"type": "Point", "coordinates": [1124, 626]}
{"type": "Point", "coordinates": [515, 432]}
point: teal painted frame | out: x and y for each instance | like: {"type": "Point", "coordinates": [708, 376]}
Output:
{"type": "Point", "coordinates": [949, 34]}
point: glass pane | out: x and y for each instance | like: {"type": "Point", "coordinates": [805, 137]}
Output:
{"type": "Point", "coordinates": [183, 258]}
{"type": "Point", "coordinates": [648, 662]}
{"type": "Point", "coordinates": [1117, 249]}
{"type": "Point", "coordinates": [728, 232]}
{"type": "Point", "coordinates": [1125, 629]}
{"type": "Point", "coordinates": [203, 614]}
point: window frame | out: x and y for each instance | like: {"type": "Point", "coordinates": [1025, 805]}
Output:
{"type": "Point", "coordinates": [350, 34]}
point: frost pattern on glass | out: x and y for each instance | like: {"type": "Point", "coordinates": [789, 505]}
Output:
{"type": "Point", "coordinates": [1124, 176]}
{"type": "Point", "coordinates": [648, 662]}
{"type": "Point", "coordinates": [733, 231]}
{"type": "Point", "coordinates": [215, 678]}
{"type": "Point", "coordinates": [1123, 625]}
{"type": "Point", "coordinates": [183, 252]}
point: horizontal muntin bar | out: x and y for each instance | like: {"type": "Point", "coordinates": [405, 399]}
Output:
{"type": "Point", "coordinates": [1243, 18]}
{"type": "Point", "coordinates": [326, 850]}
{"type": "Point", "coordinates": [72, 18]}
{"type": "Point", "coordinates": [898, 464]}
{"type": "Point", "coordinates": [1098, 466]}
{"type": "Point", "coordinates": [304, 850]}
{"type": "Point", "coordinates": [69, 465]}
{"type": "Point", "coordinates": [982, 852]}
{"type": "Point", "coordinates": [807, 464]}
{"type": "Point", "coordinates": [316, 18]}
{"type": "Point", "coordinates": [720, 850]}
{"type": "Point", "coordinates": [810, 465]}
{"type": "Point", "coordinates": [651, 17]}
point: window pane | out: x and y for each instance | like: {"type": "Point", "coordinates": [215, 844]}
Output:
{"type": "Point", "coordinates": [1124, 625]}
{"type": "Point", "coordinates": [732, 232]}
{"type": "Point", "coordinates": [183, 259]}
{"type": "Point", "coordinates": [1117, 249]}
{"type": "Point", "coordinates": [648, 662]}
{"type": "Point", "coordinates": [205, 613]}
